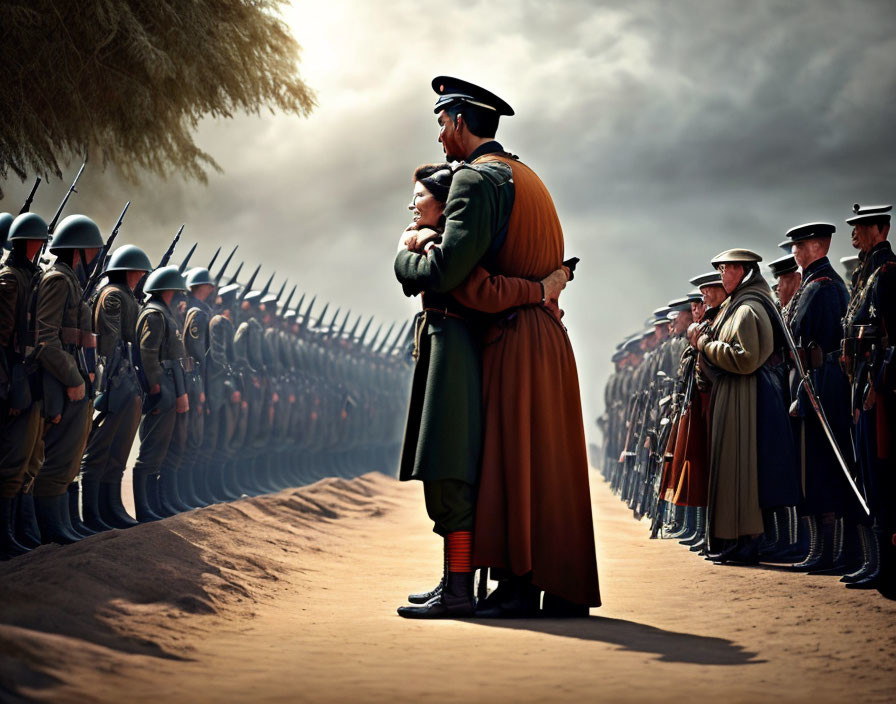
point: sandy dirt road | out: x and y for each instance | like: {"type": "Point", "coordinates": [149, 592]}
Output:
{"type": "Point", "coordinates": [292, 598]}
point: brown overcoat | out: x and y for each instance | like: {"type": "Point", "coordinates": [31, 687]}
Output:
{"type": "Point", "coordinates": [533, 513]}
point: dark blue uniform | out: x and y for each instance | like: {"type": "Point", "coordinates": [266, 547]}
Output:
{"type": "Point", "coordinates": [815, 317]}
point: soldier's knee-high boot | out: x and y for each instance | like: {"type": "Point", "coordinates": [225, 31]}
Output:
{"type": "Point", "coordinates": [26, 528]}
{"type": "Point", "coordinates": [9, 546]}
{"type": "Point", "coordinates": [74, 511]}
{"type": "Point", "coordinates": [112, 508]}
{"type": "Point", "coordinates": [456, 598]}
{"type": "Point", "coordinates": [869, 576]}
{"type": "Point", "coordinates": [90, 505]}
{"type": "Point", "coordinates": [699, 527]}
{"type": "Point", "coordinates": [52, 517]}
{"type": "Point", "coordinates": [143, 498]}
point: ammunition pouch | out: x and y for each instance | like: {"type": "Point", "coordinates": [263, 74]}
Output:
{"type": "Point", "coordinates": [119, 386]}
{"type": "Point", "coordinates": [20, 396]}
{"type": "Point", "coordinates": [164, 400]}
{"type": "Point", "coordinates": [54, 395]}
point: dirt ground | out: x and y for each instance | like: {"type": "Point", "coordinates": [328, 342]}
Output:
{"type": "Point", "coordinates": [292, 597]}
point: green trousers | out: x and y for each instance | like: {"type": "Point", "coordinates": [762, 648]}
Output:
{"type": "Point", "coordinates": [450, 505]}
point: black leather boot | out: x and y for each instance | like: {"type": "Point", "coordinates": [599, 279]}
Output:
{"type": "Point", "coordinates": [52, 517]}
{"type": "Point", "coordinates": [699, 527]}
{"type": "Point", "coordinates": [185, 486]}
{"type": "Point", "coordinates": [454, 601]}
{"type": "Point", "coordinates": [112, 508]}
{"type": "Point", "coordinates": [871, 575]}
{"type": "Point", "coordinates": [90, 500]}
{"type": "Point", "coordinates": [26, 529]}
{"type": "Point", "coordinates": [423, 597]}
{"type": "Point", "coordinates": [865, 565]}
{"type": "Point", "coordinates": [688, 523]}
{"type": "Point", "coordinates": [821, 542]}
{"type": "Point", "coordinates": [519, 599]}
{"type": "Point", "coordinates": [170, 494]}
{"type": "Point", "coordinates": [9, 546]}
{"type": "Point", "coordinates": [143, 498]}
{"type": "Point", "coordinates": [74, 511]}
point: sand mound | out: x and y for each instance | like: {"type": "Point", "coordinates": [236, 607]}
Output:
{"type": "Point", "coordinates": [139, 591]}
{"type": "Point", "coordinates": [292, 597]}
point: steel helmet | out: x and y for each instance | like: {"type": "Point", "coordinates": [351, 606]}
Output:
{"type": "Point", "coordinates": [129, 258]}
{"type": "Point", "coordinates": [198, 276]}
{"type": "Point", "coordinates": [76, 232]}
{"type": "Point", "coordinates": [5, 223]}
{"type": "Point", "coordinates": [28, 226]}
{"type": "Point", "coordinates": [166, 278]}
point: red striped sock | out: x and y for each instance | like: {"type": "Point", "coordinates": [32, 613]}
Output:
{"type": "Point", "coordinates": [459, 551]}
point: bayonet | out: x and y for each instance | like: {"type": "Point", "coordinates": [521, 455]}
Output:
{"type": "Point", "coordinates": [235, 275]}
{"type": "Point", "coordinates": [248, 286]}
{"type": "Point", "coordinates": [289, 299]}
{"type": "Point", "coordinates": [166, 257]}
{"type": "Point", "coordinates": [27, 207]}
{"type": "Point", "coordinates": [226, 262]}
{"type": "Point", "coordinates": [52, 227]}
{"type": "Point", "coordinates": [183, 266]}
{"type": "Point", "coordinates": [99, 262]}
{"type": "Point", "coordinates": [214, 259]}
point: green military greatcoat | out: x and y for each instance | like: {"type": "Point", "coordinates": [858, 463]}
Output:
{"type": "Point", "coordinates": [443, 435]}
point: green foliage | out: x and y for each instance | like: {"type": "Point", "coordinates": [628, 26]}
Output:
{"type": "Point", "coordinates": [127, 81]}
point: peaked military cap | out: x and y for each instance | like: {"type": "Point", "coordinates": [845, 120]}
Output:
{"type": "Point", "coordinates": [783, 265]}
{"type": "Point", "coordinates": [253, 297]}
{"type": "Point", "coordinates": [735, 256]}
{"type": "Point", "coordinates": [850, 264]}
{"type": "Point", "coordinates": [454, 91]}
{"type": "Point", "coordinates": [661, 312]}
{"type": "Point", "coordinates": [695, 296]}
{"type": "Point", "coordinates": [679, 304]}
{"type": "Point", "coordinates": [228, 292]}
{"type": "Point", "coordinates": [868, 212]}
{"type": "Point", "coordinates": [713, 278]}
{"type": "Point", "coordinates": [810, 230]}
{"type": "Point", "coordinates": [786, 245]}
{"type": "Point", "coordinates": [618, 356]}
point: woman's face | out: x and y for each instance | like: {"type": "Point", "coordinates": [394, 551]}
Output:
{"type": "Point", "coordinates": [427, 210]}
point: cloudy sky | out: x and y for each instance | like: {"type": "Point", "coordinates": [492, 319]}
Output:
{"type": "Point", "coordinates": [666, 132]}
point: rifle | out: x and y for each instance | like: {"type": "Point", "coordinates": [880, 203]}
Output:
{"type": "Point", "coordinates": [27, 207]}
{"type": "Point", "coordinates": [806, 383]}
{"type": "Point", "coordinates": [267, 287]}
{"type": "Point", "coordinates": [214, 258]}
{"type": "Point", "coordinates": [248, 286]}
{"type": "Point", "coordinates": [379, 347]}
{"type": "Point", "coordinates": [166, 257]}
{"type": "Point", "coordinates": [138, 290]}
{"type": "Point", "coordinates": [99, 263]}
{"type": "Point", "coordinates": [224, 268]}
{"type": "Point", "coordinates": [52, 226]}
{"type": "Point", "coordinates": [183, 266]}
{"type": "Point", "coordinates": [288, 298]}
{"type": "Point", "coordinates": [364, 331]}
{"type": "Point", "coordinates": [236, 274]}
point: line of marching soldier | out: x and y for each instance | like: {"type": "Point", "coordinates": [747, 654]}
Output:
{"type": "Point", "coordinates": [760, 426]}
{"type": "Point", "coordinates": [231, 391]}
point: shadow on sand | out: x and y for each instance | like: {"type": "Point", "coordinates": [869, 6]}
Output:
{"type": "Point", "coordinates": [668, 646]}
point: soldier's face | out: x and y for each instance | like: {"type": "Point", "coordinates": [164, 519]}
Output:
{"type": "Point", "coordinates": [787, 286]}
{"type": "Point", "coordinates": [133, 278]}
{"type": "Point", "coordinates": [732, 275]}
{"type": "Point", "coordinates": [713, 295]}
{"type": "Point", "coordinates": [807, 251]}
{"type": "Point", "coordinates": [449, 138]}
{"type": "Point", "coordinates": [698, 308]}
{"type": "Point", "coordinates": [865, 236]}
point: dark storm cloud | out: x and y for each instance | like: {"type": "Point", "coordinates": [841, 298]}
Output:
{"type": "Point", "coordinates": [666, 131]}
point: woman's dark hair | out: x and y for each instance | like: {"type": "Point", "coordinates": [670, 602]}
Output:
{"type": "Point", "coordinates": [436, 178]}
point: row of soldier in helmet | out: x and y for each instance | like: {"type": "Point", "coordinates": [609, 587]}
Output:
{"type": "Point", "coordinates": [230, 393]}
{"type": "Point", "coordinates": [755, 426]}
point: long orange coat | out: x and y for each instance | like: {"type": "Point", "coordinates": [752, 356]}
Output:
{"type": "Point", "coordinates": [533, 511]}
